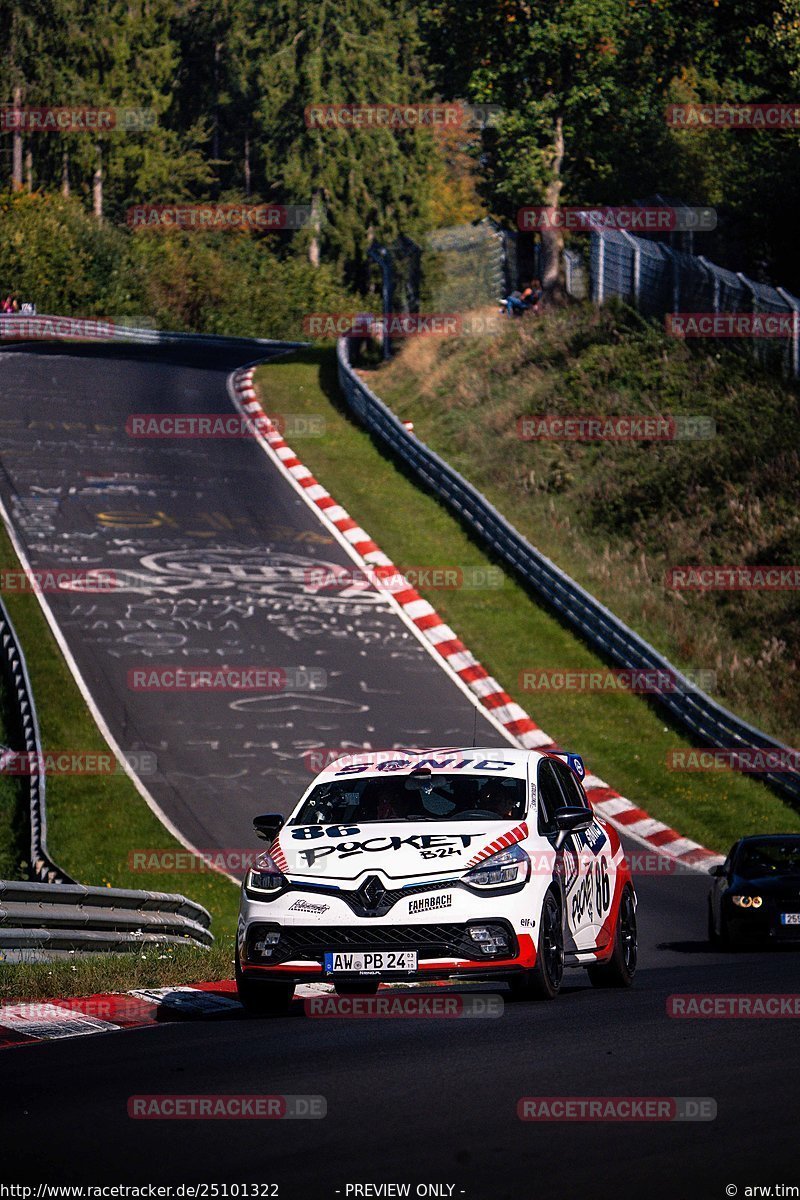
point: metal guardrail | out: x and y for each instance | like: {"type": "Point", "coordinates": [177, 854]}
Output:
{"type": "Point", "coordinates": [15, 670]}
{"type": "Point", "coordinates": [42, 327]}
{"type": "Point", "coordinates": [40, 918]}
{"type": "Point", "coordinates": [696, 712]}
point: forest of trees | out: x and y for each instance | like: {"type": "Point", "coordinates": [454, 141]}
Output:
{"type": "Point", "coordinates": [582, 88]}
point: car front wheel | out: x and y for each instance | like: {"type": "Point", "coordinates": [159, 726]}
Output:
{"type": "Point", "coordinates": [263, 998]}
{"type": "Point", "coordinates": [543, 982]}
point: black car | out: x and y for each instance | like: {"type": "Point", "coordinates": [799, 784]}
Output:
{"type": "Point", "coordinates": [755, 898]}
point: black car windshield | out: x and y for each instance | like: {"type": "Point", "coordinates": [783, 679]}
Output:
{"type": "Point", "coordinates": [772, 856]}
{"type": "Point", "coordinates": [416, 797]}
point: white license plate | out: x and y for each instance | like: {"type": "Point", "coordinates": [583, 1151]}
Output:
{"type": "Point", "coordinates": [790, 918]}
{"type": "Point", "coordinates": [347, 963]}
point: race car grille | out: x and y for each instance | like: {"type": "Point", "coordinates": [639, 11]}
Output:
{"type": "Point", "coordinates": [372, 899]}
{"type": "Point", "coordinates": [312, 942]}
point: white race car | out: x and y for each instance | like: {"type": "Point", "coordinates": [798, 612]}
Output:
{"type": "Point", "coordinates": [431, 864]}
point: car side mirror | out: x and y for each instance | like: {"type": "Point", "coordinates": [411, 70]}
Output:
{"type": "Point", "coordinates": [268, 825]}
{"type": "Point", "coordinates": [573, 819]}
{"type": "Point", "coordinates": [718, 870]}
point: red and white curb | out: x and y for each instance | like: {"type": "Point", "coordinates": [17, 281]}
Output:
{"type": "Point", "coordinates": [503, 712]}
{"type": "Point", "coordinates": [34, 1021]}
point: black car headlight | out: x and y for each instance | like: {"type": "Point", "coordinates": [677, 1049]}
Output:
{"type": "Point", "coordinates": [504, 869]}
{"type": "Point", "coordinates": [265, 879]}
{"type": "Point", "coordinates": [744, 901]}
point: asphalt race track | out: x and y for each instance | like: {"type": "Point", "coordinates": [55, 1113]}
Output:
{"type": "Point", "coordinates": [434, 1101]}
{"type": "Point", "coordinates": [213, 558]}
{"type": "Point", "coordinates": [422, 1101]}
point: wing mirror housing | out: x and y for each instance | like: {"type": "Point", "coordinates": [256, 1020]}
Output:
{"type": "Point", "coordinates": [268, 825]}
{"type": "Point", "coordinates": [573, 819]}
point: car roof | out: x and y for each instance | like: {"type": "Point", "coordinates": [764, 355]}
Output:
{"type": "Point", "coordinates": [373, 760]}
{"type": "Point", "coordinates": [768, 837]}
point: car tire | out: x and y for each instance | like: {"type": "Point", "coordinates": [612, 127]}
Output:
{"type": "Point", "coordinates": [726, 940]}
{"type": "Point", "coordinates": [357, 987]}
{"type": "Point", "coordinates": [261, 997]}
{"type": "Point", "coordinates": [713, 936]}
{"type": "Point", "coordinates": [619, 970]}
{"type": "Point", "coordinates": [543, 982]}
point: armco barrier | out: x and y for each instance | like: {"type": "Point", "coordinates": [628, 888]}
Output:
{"type": "Point", "coordinates": [706, 720]}
{"type": "Point", "coordinates": [20, 702]}
{"type": "Point", "coordinates": [60, 919]}
{"type": "Point", "coordinates": [19, 329]}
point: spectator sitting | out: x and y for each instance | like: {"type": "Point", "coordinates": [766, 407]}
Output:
{"type": "Point", "coordinates": [520, 302]}
{"type": "Point", "coordinates": [8, 305]}
{"type": "Point", "coordinates": [532, 295]}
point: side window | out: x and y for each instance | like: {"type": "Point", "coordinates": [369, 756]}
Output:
{"type": "Point", "coordinates": [574, 796]}
{"type": "Point", "coordinates": [550, 797]}
{"type": "Point", "coordinates": [728, 864]}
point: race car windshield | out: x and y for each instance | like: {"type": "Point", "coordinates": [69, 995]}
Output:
{"type": "Point", "coordinates": [416, 797]}
{"type": "Point", "coordinates": [758, 860]}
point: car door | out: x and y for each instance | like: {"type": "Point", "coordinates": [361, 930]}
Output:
{"type": "Point", "coordinates": [720, 885]}
{"type": "Point", "coordinates": [577, 893]}
{"type": "Point", "coordinates": [596, 869]}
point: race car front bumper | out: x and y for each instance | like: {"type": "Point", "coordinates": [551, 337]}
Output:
{"type": "Point", "coordinates": [272, 950]}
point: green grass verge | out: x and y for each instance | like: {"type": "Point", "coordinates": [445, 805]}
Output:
{"type": "Point", "coordinates": [623, 739]}
{"type": "Point", "coordinates": [617, 515]}
{"type": "Point", "coordinates": [14, 848]}
{"type": "Point", "coordinates": [94, 822]}
{"type": "Point", "coordinates": [91, 974]}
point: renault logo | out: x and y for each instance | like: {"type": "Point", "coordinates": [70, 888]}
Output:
{"type": "Point", "coordinates": [372, 893]}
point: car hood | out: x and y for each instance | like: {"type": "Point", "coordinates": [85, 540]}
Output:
{"type": "Point", "coordinates": [770, 884]}
{"type": "Point", "coordinates": [399, 850]}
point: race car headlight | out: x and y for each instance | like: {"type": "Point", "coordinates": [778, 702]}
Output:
{"type": "Point", "coordinates": [747, 901]}
{"type": "Point", "coordinates": [266, 878]}
{"type": "Point", "coordinates": [506, 867]}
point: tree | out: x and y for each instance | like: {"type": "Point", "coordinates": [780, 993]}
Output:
{"type": "Point", "coordinates": [359, 183]}
{"type": "Point", "coordinates": [581, 86]}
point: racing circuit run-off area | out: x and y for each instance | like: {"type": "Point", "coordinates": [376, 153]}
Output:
{"type": "Point", "coordinates": [399, 783]}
